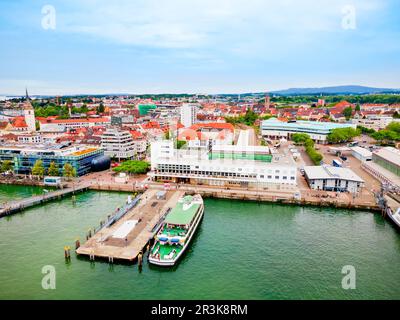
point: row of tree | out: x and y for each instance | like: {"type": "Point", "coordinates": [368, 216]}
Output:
{"type": "Point", "coordinates": [39, 170]}
{"type": "Point", "coordinates": [304, 139]}
{"type": "Point", "coordinates": [343, 135]}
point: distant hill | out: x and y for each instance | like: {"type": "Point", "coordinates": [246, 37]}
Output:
{"type": "Point", "coordinates": [351, 89]}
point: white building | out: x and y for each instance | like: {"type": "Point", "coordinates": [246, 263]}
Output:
{"type": "Point", "coordinates": [29, 115]}
{"type": "Point", "coordinates": [331, 178]}
{"type": "Point", "coordinates": [118, 144]}
{"type": "Point", "coordinates": [361, 154]}
{"type": "Point", "coordinates": [223, 167]}
{"type": "Point", "coordinates": [189, 114]}
{"type": "Point", "coordinates": [376, 122]}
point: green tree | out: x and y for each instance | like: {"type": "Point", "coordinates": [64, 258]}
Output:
{"type": "Point", "coordinates": [394, 126]}
{"type": "Point", "coordinates": [358, 108]}
{"type": "Point", "coordinates": [342, 135]}
{"type": "Point", "coordinates": [53, 170]}
{"type": "Point", "coordinates": [6, 165]}
{"type": "Point", "coordinates": [69, 171]}
{"type": "Point", "coordinates": [347, 112]}
{"type": "Point", "coordinates": [100, 108]}
{"type": "Point", "coordinates": [38, 169]}
{"type": "Point", "coordinates": [300, 138]}
{"type": "Point", "coordinates": [133, 166]}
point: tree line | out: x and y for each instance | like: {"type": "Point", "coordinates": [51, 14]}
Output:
{"type": "Point", "coordinates": [39, 170]}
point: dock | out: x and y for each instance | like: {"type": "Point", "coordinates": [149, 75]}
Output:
{"type": "Point", "coordinates": [128, 237]}
{"type": "Point", "coordinates": [21, 204]}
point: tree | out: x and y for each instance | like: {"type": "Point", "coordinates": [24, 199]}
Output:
{"type": "Point", "coordinates": [69, 171]}
{"type": "Point", "coordinates": [342, 135]}
{"type": "Point", "coordinates": [133, 166]}
{"type": "Point", "coordinates": [38, 169]}
{"type": "Point", "coordinates": [394, 126]}
{"type": "Point", "coordinates": [53, 170]}
{"type": "Point", "coordinates": [358, 108]}
{"type": "Point", "coordinates": [396, 115]}
{"type": "Point", "coordinates": [100, 108]}
{"type": "Point", "coordinates": [300, 138]}
{"type": "Point", "coordinates": [347, 112]}
{"type": "Point", "coordinates": [6, 165]}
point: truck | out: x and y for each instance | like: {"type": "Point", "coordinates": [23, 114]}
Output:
{"type": "Point", "coordinates": [337, 163]}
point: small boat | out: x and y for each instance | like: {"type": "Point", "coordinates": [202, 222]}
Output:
{"type": "Point", "coordinates": [177, 230]}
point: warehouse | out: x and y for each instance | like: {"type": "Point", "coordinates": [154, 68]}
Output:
{"type": "Point", "coordinates": [330, 178]}
{"type": "Point", "coordinates": [361, 154]}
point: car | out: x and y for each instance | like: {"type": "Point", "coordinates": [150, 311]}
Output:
{"type": "Point", "coordinates": [302, 172]}
{"type": "Point", "coordinates": [343, 158]}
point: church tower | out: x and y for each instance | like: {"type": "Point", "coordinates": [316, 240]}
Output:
{"type": "Point", "coordinates": [29, 114]}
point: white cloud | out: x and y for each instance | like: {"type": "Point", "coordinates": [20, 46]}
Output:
{"type": "Point", "coordinates": [201, 23]}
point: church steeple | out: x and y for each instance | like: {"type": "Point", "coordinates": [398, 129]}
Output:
{"type": "Point", "coordinates": [29, 113]}
{"type": "Point", "coordinates": [27, 95]}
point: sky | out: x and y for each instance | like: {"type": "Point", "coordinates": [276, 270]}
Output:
{"type": "Point", "coordinates": [196, 46]}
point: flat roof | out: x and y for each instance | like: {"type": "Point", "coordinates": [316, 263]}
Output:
{"type": "Point", "coordinates": [306, 125]}
{"type": "Point", "coordinates": [240, 148]}
{"type": "Point", "coordinates": [390, 154]}
{"type": "Point", "coordinates": [362, 151]}
{"type": "Point", "coordinates": [330, 172]}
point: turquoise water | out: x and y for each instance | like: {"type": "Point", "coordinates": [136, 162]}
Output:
{"type": "Point", "coordinates": [241, 251]}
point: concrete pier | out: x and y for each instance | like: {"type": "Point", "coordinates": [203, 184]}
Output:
{"type": "Point", "coordinates": [119, 241]}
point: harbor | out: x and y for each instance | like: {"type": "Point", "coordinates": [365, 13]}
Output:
{"type": "Point", "coordinates": [127, 238]}
{"type": "Point", "coordinates": [272, 261]}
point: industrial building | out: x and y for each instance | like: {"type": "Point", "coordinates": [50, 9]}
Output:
{"type": "Point", "coordinates": [318, 131]}
{"type": "Point", "coordinates": [361, 154]}
{"type": "Point", "coordinates": [330, 178]}
{"type": "Point", "coordinates": [385, 167]}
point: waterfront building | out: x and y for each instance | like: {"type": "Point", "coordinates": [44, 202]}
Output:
{"type": "Point", "coordinates": [318, 131]}
{"type": "Point", "coordinates": [189, 114]}
{"type": "Point", "coordinates": [222, 166]}
{"type": "Point", "coordinates": [385, 167]}
{"type": "Point", "coordinates": [330, 178]}
{"type": "Point", "coordinates": [118, 144]}
{"type": "Point", "coordinates": [24, 156]}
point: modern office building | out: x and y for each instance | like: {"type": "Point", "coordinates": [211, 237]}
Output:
{"type": "Point", "coordinates": [24, 156]}
{"type": "Point", "coordinates": [329, 178]}
{"type": "Point", "coordinates": [189, 114]}
{"type": "Point", "coordinates": [222, 166]}
{"type": "Point", "coordinates": [118, 144]}
{"type": "Point", "coordinates": [318, 131]}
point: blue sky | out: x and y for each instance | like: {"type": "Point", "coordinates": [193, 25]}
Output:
{"type": "Point", "coordinates": [197, 46]}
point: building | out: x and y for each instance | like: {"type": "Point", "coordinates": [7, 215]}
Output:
{"type": "Point", "coordinates": [62, 125]}
{"type": "Point", "coordinates": [119, 144]}
{"type": "Point", "coordinates": [361, 154]}
{"type": "Point", "coordinates": [145, 109]}
{"type": "Point", "coordinates": [189, 114]}
{"type": "Point", "coordinates": [24, 156]}
{"type": "Point", "coordinates": [318, 131]}
{"type": "Point", "coordinates": [223, 166]}
{"type": "Point", "coordinates": [385, 167]}
{"type": "Point", "coordinates": [375, 122]}
{"type": "Point", "coordinates": [329, 178]}
{"type": "Point", "coordinates": [388, 158]}
{"type": "Point", "coordinates": [29, 114]}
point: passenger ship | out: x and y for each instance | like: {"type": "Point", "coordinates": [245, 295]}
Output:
{"type": "Point", "coordinates": [177, 230]}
